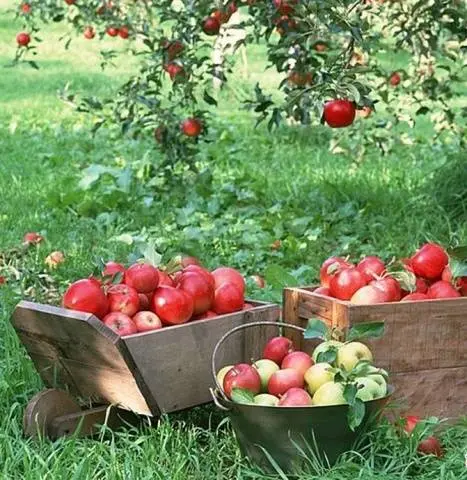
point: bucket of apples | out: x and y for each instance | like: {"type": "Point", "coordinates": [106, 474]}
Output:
{"type": "Point", "coordinates": [289, 408]}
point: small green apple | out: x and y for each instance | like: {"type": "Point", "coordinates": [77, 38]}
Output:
{"type": "Point", "coordinates": [317, 375]}
{"type": "Point", "coordinates": [368, 389]}
{"type": "Point", "coordinates": [351, 353]}
{"type": "Point", "coordinates": [266, 399]}
{"type": "Point", "coordinates": [322, 347]}
{"type": "Point", "coordinates": [265, 369]}
{"type": "Point", "coordinates": [329, 394]}
{"type": "Point", "coordinates": [222, 373]}
{"type": "Point", "coordinates": [379, 375]}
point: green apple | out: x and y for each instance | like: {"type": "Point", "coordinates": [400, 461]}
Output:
{"type": "Point", "coordinates": [317, 375]}
{"type": "Point", "coordinates": [379, 375]}
{"type": "Point", "coordinates": [322, 347]}
{"type": "Point", "coordinates": [222, 373]}
{"type": "Point", "coordinates": [368, 389]}
{"type": "Point", "coordinates": [329, 394]}
{"type": "Point", "coordinates": [265, 369]}
{"type": "Point", "coordinates": [266, 399]}
{"type": "Point", "coordinates": [351, 353]}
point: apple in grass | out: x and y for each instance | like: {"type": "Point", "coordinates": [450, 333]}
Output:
{"type": "Point", "coordinates": [144, 278]}
{"type": "Point", "coordinates": [277, 349]}
{"type": "Point", "coordinates": [329, 393]}
{"type": "Point", "coordinates": [295, 397]}
{"type": "Point", "coordinates": [351, 353]}
{"type": "Point", "coordinates": [123, 298]}
{"type": "Point", "coordinates": [299, 361]}
{"type": "Point", "coordinates": [265, 369]}
{"type": "Point", "coordinates": [428, 446]}
{"type": "Point", "coordinates": [266, 400]}
{"type": "Point", "coordinates": [283, 380]}
{"type": "Point", "coordinates": [317, 375]}
{"type": "Point", "coordinates": [120, 323]}
{"type": "Point", "coordinates": [242, 376]}
{"type": "Point", "coordinates": [147, 321]}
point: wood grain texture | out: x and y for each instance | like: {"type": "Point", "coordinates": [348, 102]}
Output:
{"type": "Point", "coordinates": [175, 361]}
{"type": "Point", "coordinates": [441, 393]}
{"type": "Point", "coordinates": [76, 351]}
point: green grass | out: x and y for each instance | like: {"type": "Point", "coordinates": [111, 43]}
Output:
{"type": "Point", "coordinates": [255, 188]}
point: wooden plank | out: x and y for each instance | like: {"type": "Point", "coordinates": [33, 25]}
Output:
{"type": "Point", "coordinates": [418, 335]}
{"type": "Point", "coordinates": [291, 300]}
{"type": "Point", "coordinates": [76, 351]}
{"type": "Point", "coordinates": [176, 361]}
{"type": "Point", "coordinates": [441, 393]}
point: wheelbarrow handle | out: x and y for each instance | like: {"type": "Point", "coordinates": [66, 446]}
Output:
{"type": "Point", "coordinates": [231, 332]}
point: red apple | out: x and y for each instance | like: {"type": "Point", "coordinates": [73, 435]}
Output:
{"type": "Point", "coordinates": [346, 282]}
{"type": "Point", "coordinates": [229, 275]}
{"type": "Point", "coordinates": [124, 32]}
{"type": "Point", "coordinates": [283, 380]}
{"type": "Point", "coordinates": [430, 446]}
{"type": "Point", "coordinates": [172, 305]}
{"type": "Point", "coordinates": [248, 306]}
{"type": "Point", "coordinates": [123, 298]}
{"type": "Point", "coordinates": [323, 291]}
{"type": "Point", "coordinates": [144, 278]}
{"type": "Point", "coordinates": [415, 297]}
{"type": "Point", "coordinates": [187, 261]}
{"type": "Point", "coordinates": [86, 296]}
{"type": "Point", "coordinates": [144, 302]}
{"type": "Point", "coordinates": [120, 323]}
{"type": "Point", "coordinates": [89, 33]}
{"type": "Point", "coordinates": [111, 269]}
{"type": "Point", "coordinates": [201, 271]}
{"type": "Point", "coordinates": [442, 289]}
{"type": "Point", "coordinates": [146, 321]}
{"type": "Point", "coordinates": [199, 288]}
{"type": "Point", "coordinates": [32, 238]}
{"type": "Point", "coordinates": [299, 361]}
{"type": "Point", "coordinates": [429, 261]}
{"type": "Point", "coordinates": [205, 316]}
{"type": "Point", "coordinates": [191, 127]}
{"type": "Point", "coordinates": [410, 422]}
{"type": "Point", "coordinates": [23, 39]}
{"type": "Point", "coordinates": [390, 286]}
{"type": "Point", "coordinates": [112, 31]}
{"type": "Point", "coordinates": [211, 26]}
{"type": "Point", "coordinates": [330, 267]}
{"type": "Point", "coordinates": [242, 376]}
{"type": "Point", "coordinates": [165, 279]}
{"type": "Point", "coordinates": [369, 295]}
{"type": "Point", "coordinates": [295, 397]}
{"type": "Point", "coordinates": [228, 299]}
{"type": "Point", "coordinates": [372, 267]}
{"type": "Point", "coordinates": [277, 349]}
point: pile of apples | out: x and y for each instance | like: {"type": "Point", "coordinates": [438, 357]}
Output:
{"type": "Point", "coordinates": [426, 276]}
{"type": "Point", "coordinates": [143, 298]}
{"type": "Point", "coordinates": [286, 377]}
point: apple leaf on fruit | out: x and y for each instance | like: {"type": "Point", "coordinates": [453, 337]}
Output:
{"type": "Point", "coordinates": [356, 406]}
{"type": "Point", "coordinates": [366, 330]}
{"type": "Point", "coordinates": [459, 253]}
{"type": "Point", "coordinates": [240, 395]}
{"type": "Point", "coordinates": [362, 368]}
{"type": "Point", "coordinates": [316, 328]}
{"type": "Point", "coordinates": [327, 356]}
{"type": "Point", "coordinates": [279, 278]}
{"type": "Point", "coordinates": [458, 267]}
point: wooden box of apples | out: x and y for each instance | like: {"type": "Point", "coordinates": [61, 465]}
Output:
{"type": "Point", "coordinates": [424, 310]}
{"type": "Point", "coordinates": [137, 338]}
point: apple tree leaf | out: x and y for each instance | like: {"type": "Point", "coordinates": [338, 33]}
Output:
{"type": "Point", "coordinates": [362, 368]}
{"type": "Point", "coordinates": [366, 330]}
{"type": "Point", "coordinates": [458, 267]}
{"type": "Point", "coordinates": [240, 395]}
{"type": "Point", "coordinates": [459, 253]}
{"type": "Point", "coordinates": [356, 411]}
{"type": "Point", "coordinates": [150, 254]}
{"type": "Point", "coordinates": [316, 328]}
{"type": "Point", "coordinates": [327, 356]}
{"type": "Point", "coordinates": [278, 277]}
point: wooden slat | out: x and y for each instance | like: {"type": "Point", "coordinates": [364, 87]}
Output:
{"type": "Point", "coordinates": [291, 300]}
{"type": "Point", "coordinates": [418, 335]}
{"type": "Point", "coordinates": [441, 393]}
{"type": "Point", "coordinates": [76, 351]}
{"type": "Point", "coordinates": [176, 361]}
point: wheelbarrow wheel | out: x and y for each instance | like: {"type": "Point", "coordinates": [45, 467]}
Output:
{"type": "Point", "coordinates": [43, 408]}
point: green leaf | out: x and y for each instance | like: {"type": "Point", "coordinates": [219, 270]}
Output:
{"type": "Point", "coordinates": [362, 368]}
{"type": "Point", "coordinates": [150, 254]}
{"type": "Point", "coordinates": [278, 278]}
{"type": "Point", "coordinates": [328, 356]}
{"type": "Point", "coordinates": [208, 99]}
{"type": "Point", "coordinates": [356, 414]}
{"type": "Point", "coordinates": [316, 329]}
{"type": "Point", "coordinates": [350, 393]}
{"type": "Point", "coordinates": [458, 267]}
{"type": "Point", "coordinates": [459, 253]}
{"type": "Point", "coordinates": [240, 395]}
{"type": "Point", "coordinates": [366, 330]}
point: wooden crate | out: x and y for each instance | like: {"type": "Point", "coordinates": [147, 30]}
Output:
{"type": "Point", "coordinates": [149, 373]}
{"type": "Point", "coordinates": [424, 346]}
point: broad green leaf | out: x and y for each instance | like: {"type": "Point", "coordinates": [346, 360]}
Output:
{"type": "Point", "coordinates": [278, 278]}
{"type": "Point", "coordinates": [366, 330]}
{"type": "Point", "coordinates": [239, 395]}
{"type": "Point", "coordinates": [328, 356]}
{"type": "Point", "coordinates": [356, 414]}
{"type": "Point", "coordinates": [150, 254]}
{"type": "Point", "coordinates": [458, 267]}
{"type": "Point", "coordinates": [316, 329]}
{"type": "Point", "coordinates": [362, 368]}
{"type": "Point", "coordinates": [350, 393]}
{"type": "Point", "coordinates": [459, 253]}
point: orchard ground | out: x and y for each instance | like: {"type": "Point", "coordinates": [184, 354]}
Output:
{"type": "Point", "coordinates": [254, 188]}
